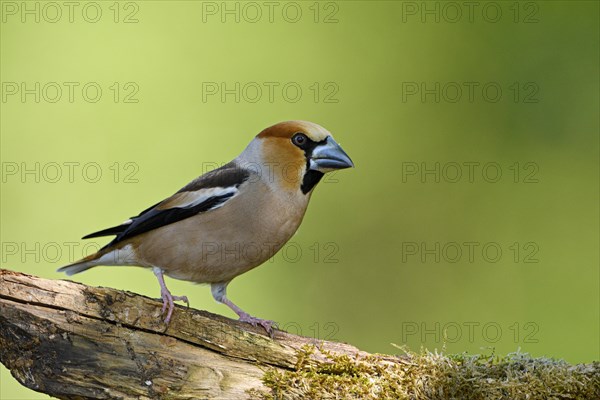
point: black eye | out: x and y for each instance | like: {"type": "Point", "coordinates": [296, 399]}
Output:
{"type": "Point", "coordinates": [299, 139]}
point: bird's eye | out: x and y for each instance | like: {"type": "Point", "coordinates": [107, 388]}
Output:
{"type": "Point", "coordinates": [299, 139]}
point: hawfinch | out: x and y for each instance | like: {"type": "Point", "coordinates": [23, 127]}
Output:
{"type": "Point", "coordinates": [229, 220]}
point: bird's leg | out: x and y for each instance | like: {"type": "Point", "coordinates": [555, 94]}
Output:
{"type": "Point", "coordinates": [219, 292]}
{"type": "Point", "coordinates": [167, 297]}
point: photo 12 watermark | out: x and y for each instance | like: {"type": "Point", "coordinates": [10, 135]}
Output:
{"type": "Point", "coordinates": [470, 92]}
{"type": "Point", "coordinates": [252, 12]}
{"type": "Point", "coordinates": [270, 92]}
{"type": "Point", "coordinates": [68, 252]}
{"type": "Point", "coordinates": [314, 330]}
{"type": "Point", "coordinates": [269, 171]}
{"type": "Point", "coordinates": [46, 252]}
{"type": "Point", "coordinates": [71, 12]}
{"type": "Point", "coordinates": [70, 92]}
{"type": "Point", "coordinates": [469, 172]}
{"type": "Point", "coordinates": [471, 252]}
{"type": "Point", "coordinates": [470, 331]}
{"type": "Point", "coordinates": [453, 12]}
{"type": "Point", "coordinates": [69, 172]}
{"type": "Point", "coordinates": [291, 252]}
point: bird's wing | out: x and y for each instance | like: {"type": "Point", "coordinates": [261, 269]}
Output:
{"type": "Point", "coordinates": [207, 192]}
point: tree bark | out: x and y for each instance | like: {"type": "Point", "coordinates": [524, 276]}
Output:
{"type": "Point", "coordinates": [73, 341]}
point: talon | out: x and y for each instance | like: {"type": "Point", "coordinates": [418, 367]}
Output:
{"type": "Point", "coordinates": [182, 298]}
{"type": "Point", "coordinates": [266, 324]}
{"type": "Point", "coordinates": [219, 293]}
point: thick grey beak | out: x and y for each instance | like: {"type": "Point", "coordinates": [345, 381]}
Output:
{"type": "Point", "coordinates": [329, 157]}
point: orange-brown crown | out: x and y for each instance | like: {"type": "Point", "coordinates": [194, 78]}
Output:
{"type": "Point", "coordinates": [287, 129]}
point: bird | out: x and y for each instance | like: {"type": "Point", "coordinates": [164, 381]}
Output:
{"type": "Point", "coordinates": [228, 220]}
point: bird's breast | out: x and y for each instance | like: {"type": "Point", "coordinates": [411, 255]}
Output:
{"type": "Point", "coordinates": [220, 244]}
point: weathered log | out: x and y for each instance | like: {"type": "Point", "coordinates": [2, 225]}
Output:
{"type": "Point", "coordinates": [70, 340]}
{"type": "Point", "coordinates": [73, 341]}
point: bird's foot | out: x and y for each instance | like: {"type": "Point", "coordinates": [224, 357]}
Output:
{"type": "Point", "coordinates": [219, 293]}
{"type": "Point", "coordinates": [169, 301]}
{"type": "Point", "coordinates": [265, 323]}
{"type": "Point", "coordinates": [167, 298]}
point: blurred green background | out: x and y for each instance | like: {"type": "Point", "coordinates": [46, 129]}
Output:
{"type": "Point", "coordinates": [405, 87]}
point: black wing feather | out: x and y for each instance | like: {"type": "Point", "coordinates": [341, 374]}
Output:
{"type": "Point", "coordinates": [156, 218]}
{"type": "Point", "coordinates": [115, 230]}
{"type": "Point", "coordinates": [152, 218]}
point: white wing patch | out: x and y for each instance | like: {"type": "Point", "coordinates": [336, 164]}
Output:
{"type": "Point", "coordinates": [191, 199]}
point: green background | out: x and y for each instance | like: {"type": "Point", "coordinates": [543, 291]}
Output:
{"type": "Point", "coordinates": [363, 285]}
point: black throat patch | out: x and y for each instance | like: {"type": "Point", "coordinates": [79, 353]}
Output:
{"type": "Point", "coordinates": [311, 177]}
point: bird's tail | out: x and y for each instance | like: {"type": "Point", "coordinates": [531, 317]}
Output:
{"type": "Point", "coordinates": [82, 265]}
{"type": "Point", "coordinates": [75, 268]}
{"type": "Point", "coordinates": [79, 266]}
{"type": "Point", "coordinates": [124, 255]}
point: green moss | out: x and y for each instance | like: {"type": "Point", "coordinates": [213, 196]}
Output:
{"type": "Point", "coordinates": [428, 375]}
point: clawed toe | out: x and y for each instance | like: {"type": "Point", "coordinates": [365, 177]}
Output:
{"type": "Point", "coordinates": [182, 298]}
{"type": "Point", "coordinates": [166, 296]}
{"type": "Point", "coordinates": [219, 293]}
{"type": "Point", "coordinates": [266, 324]}
{"type": "Point", "coordinates": [169, 301]}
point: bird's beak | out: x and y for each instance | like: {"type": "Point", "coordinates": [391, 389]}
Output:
{"type": "Point", "coordinates": [329, 156]}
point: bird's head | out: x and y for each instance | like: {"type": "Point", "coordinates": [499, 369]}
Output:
{"type": "Point", "coordinates": [296, 154]}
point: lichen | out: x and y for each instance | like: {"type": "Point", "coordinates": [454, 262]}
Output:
{"type": "Point", "coordinates": [430, 375]}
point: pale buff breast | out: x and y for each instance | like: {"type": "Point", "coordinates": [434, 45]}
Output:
{"type": "Point", "coordinates": [220, 244]}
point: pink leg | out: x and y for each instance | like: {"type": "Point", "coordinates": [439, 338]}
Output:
{"type": "Point", "coordinates": [167, 297]}
{"type": "Point", "coordinates": [219, 292]}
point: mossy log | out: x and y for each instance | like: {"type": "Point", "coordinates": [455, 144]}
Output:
{"type": "Point", "coordinates": [73, 341]}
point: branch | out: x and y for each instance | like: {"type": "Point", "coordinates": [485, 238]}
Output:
{"type": "Point", "coordinates": [73, 341]}
{"type": "Point", "coordinates": [70, 340]}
